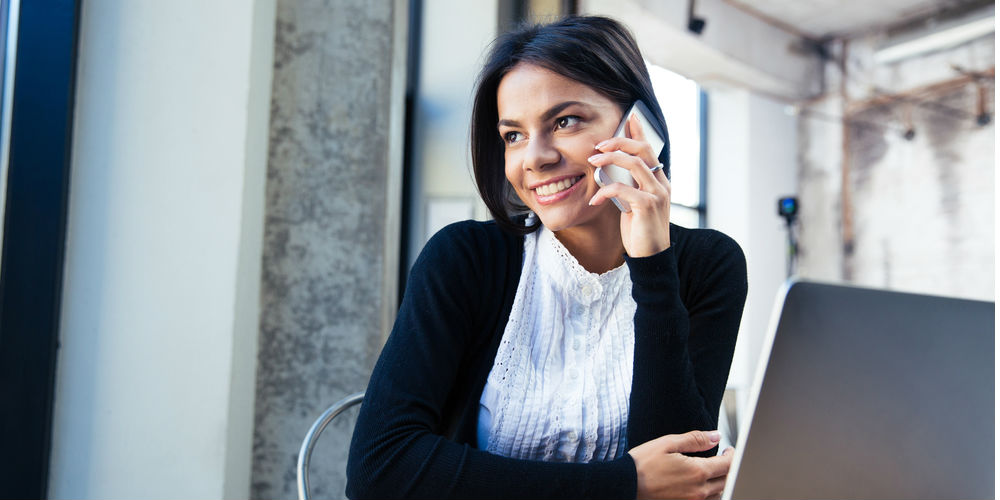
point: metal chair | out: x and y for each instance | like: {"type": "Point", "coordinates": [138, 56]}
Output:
{"type": "Point", "coordinates": [305, 452]}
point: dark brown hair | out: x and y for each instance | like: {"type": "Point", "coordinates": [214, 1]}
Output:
{"type": "Point", "coordinates": [596, 51]}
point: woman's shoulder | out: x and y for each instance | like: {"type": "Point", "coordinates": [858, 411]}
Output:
{"type": "Point", "coordinates": [470, 240]}
{"type": "Point", "coordinates": [703, 238]}
{"type": "Point", "coordinates": [471, 232]}
{"type": "Point", "coordinates": [706, 247]}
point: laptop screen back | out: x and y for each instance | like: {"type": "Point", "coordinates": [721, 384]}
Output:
{"type": "Point", "coordinates": [872, 394]}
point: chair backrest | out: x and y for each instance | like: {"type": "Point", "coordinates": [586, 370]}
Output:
{"type": "Point", "coordinates": [305, 452]}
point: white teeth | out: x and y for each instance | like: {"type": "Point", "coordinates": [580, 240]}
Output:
{"type": "Point", "coordinates": [555, 187]}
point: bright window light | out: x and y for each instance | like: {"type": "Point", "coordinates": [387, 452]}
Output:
{"type": "Point", "coordinates": [680, 101]}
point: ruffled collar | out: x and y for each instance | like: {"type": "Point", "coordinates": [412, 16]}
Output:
{"type": "Point", "coordinates": [566, 273]}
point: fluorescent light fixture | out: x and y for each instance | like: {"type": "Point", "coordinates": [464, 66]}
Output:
{"type": "Point", "coordinates": [942, 39]}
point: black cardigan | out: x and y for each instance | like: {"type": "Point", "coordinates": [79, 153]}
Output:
{"type": "Point", "coordinates": [416, 431]}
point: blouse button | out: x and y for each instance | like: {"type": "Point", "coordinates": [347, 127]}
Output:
{"type": "Point", "coordinates": [574, 373]}
{"type": "Point", "coordinates": [576, 344]}
{"type": "Point", "coordinates": [572, 436]}
{"type": "Point", "coordinates": [588, 291]}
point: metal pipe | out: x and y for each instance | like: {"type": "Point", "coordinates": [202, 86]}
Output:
{"type": "Point", "coordinates": [305, 452]}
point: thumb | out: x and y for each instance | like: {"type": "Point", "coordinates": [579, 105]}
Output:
{"type": "Point", "coordinates": [692, 441]}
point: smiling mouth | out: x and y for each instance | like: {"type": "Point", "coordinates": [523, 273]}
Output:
{"type": "Point", "coordinates": [557, 187]}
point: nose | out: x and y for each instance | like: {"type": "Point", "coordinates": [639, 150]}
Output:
{"type": "Point", "coordinates": [540, 154]}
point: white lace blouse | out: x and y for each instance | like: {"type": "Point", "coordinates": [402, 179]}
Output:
{"type": "Point", "coordinates": [560, 384]}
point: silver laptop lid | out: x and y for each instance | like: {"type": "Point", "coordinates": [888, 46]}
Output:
{"type": "Point", "coordinates": [870, 394]}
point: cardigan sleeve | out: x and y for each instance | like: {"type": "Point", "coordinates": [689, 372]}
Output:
{"type": "Point", "coordinates": [684, 346]}
{"type": "Point", "coordinates": [399, 448]}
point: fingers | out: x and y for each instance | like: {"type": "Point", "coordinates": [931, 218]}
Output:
{"type": "Point", "coordinates": [715, 487]}
{"type": "Point", "coordinates": [635, 130]}
{"type": "Point", "coordinates": [716, 470]}
{"type": "Point", "coordinates": [640, 201]}
{"type": "Point", "coordinates": [692, 441]}
{"type": "Point", "coordinates": [718, 466]}
{"type": "Point", "coordinates": [634, 144]}
{"type": "Point", "coordinates": [647, 180]}
{"type": "Point", "coordinates": [663, 472]}
{"type": "Point", "coordinates": [632, 148]}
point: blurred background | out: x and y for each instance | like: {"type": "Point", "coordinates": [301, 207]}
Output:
{"type": "Point", "coordinates": [210, 208]}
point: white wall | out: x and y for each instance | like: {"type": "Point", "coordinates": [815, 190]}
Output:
{"type": "Point", "coordinates": [752, 147]}
{"type": "Point", "coordinates": [735, 48]}
{"type": "Point", "coordinates": [921, 211]}
{"type": "Point", "coordinates": [154, 391]}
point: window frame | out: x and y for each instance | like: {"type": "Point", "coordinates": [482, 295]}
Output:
{"type": "Point", "coordinates": [34, 237]}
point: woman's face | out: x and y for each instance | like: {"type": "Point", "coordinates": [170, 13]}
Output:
{"type": "Point", "coordinates": [550, 125]}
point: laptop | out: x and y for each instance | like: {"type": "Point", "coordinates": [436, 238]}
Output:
{"type": "Point", "coordinates": [872, 394]}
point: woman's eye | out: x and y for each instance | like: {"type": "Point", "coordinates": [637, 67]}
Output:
{"type": "Point", "coordinates": [567, 121]}
{"type": "Point", "coordinates": [511, 137]}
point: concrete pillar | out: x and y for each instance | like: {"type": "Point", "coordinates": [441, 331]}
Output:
{"type": "Point", "coordinates": [331, 239]}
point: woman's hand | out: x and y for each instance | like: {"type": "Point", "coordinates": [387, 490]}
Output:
{"type": "Point", "coordinates": [663, 472]}
{"type": "Point", "coordinates": [646, 228]}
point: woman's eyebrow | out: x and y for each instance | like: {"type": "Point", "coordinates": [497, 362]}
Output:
{"type": "Point", "coordinates": [558, 108]}
{"type": "Point", "coordinates": [546, 116]}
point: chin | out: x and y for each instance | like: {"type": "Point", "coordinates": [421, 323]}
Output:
{"type": "Point", "coordinates": [555, 228]}
{"type": "Point", "coordinates": [557, 222]}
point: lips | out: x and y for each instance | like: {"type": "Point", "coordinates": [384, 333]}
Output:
{"type": "Point", "coordinates": [557, 186]}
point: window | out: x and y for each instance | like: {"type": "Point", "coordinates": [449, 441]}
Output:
{"type": "Point", "coordinates": [39, 127]}
{"type": "Point", "coordinates": [682, 102]}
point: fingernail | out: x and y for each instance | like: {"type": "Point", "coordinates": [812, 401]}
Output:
{"type": "Point", "coordinates": [601, 144]}
{"type": "Point", "coordinates": [714, 436]}
{"type": "Point", "coordinates": [591, 202]}
{"type": "Point", "coordinates": [592, 158]}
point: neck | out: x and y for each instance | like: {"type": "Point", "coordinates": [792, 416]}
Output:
{"type": "Point", "coordinates": [597, 246]}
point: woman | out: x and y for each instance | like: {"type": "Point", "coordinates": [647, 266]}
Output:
{"type": "Point", "coordinates": [577, 351]}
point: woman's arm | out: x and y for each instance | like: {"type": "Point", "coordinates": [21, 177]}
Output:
{"type": "Point", "coordinates": [683, 348]}
{"type": "Point", "coordinates": [399, 448]}
{"type": "Point", "coordinates": [683, 351]}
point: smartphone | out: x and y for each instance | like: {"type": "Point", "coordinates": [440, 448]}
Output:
{"type": "Point", "coordinates": [613, 173]}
